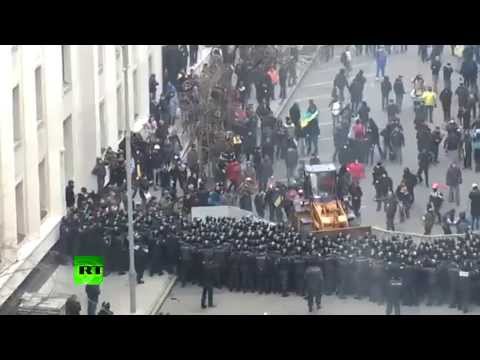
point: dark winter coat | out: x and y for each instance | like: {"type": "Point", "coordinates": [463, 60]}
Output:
{"type": "Point", "coordinates": [266, 169]}
{"type": "Point", "coordinates": [462, 94]}
{"type": "Point", "coordinates": [99, 171]}
{"type": "Point", "coordinates": [356, 89]}
{"type": "Point", "coordinates": [93, 292]}
{"type": "Point", "coordinates": [72, 307]}
{"type": "Point", "coordinates": [398, 87]}
{"type": "Point", "coordinates": [192, 158]}
{"type": "Point", "coordinates": [386, 87]}
{"type": "Point", "coordinates": [70, 196]}
{"type": "Point", "coordinates": [454, 176]}
{"type": "Point", "coordinates": [340, 81]}
{"type": "Point", "coordinates": [291, 159]}
{"type": "Point", "coordinates": [475, 202]}
{"type": "Point", "coordinates": [446, 98]}
{"type": "Point", "coordinates": [313, 279]}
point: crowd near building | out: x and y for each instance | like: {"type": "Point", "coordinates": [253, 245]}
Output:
{"type": "Point", "coordinates": [61, 107]}
{"type": "Point", "coordinates": [202, 139]}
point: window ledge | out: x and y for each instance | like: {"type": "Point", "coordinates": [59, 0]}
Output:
{"type": "Point", "coordinates": [66, 87]}
{"type": "Point", "coordinates": [44, 215]}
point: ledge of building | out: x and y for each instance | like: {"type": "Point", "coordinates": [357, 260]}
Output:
{"type": "Point", "coordinates": [29, 255]}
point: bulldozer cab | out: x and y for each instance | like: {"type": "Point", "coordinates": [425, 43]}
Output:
{"type": "Point", "coordinates": [323, 211]}
{"type": "Point", "coordinates": [320, 182]}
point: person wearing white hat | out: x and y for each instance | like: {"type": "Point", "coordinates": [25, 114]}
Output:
{"type": "Point", "coordinates": [474, 197]}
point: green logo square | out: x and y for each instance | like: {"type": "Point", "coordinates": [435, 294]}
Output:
{"type": "Point", "coordinates": [88, 270]}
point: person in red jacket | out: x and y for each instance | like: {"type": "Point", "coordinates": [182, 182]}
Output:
{"type": "Point", "coordinates": [234, 174]}
{"type": "Point", "coordinates": [358, 130]}
{"type": "Point", "coordinates": [356, 170]}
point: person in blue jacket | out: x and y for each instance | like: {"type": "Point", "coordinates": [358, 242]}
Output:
{"type": "Point", "coordinates": [381, 58]}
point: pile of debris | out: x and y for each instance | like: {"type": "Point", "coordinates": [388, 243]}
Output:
{"type": "Point", "coordinates": [38, 304]}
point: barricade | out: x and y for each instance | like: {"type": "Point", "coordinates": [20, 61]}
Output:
{"type": "Point", "coordinates": [417, 238]}
{"type": "Point", "coordinates": [202, 212]}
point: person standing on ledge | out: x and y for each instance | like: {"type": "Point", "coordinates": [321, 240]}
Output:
{"type": "Point", "coordinates": [93, 292]}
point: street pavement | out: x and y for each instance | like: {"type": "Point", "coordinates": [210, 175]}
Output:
{"type": "Point", "coordinates": [115, 290]}
{"type": "Point", "coordinates": [317, 85]}
{"type": "Point", "coordinates": [186, 301]}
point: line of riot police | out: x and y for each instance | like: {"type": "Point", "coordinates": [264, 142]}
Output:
{"type": "Point", "coordinates": [250, 255]}
{"type": "Point", "coordinates": [101, 230]}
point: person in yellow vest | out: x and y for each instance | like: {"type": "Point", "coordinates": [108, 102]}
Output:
{"type": "Point", "coordinates": [237, 145]}
{"type": "Point", "coordinates": [430, 101]}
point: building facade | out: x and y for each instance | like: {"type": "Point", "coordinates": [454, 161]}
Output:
{"type": "Point", "coordinates": [60, 106]}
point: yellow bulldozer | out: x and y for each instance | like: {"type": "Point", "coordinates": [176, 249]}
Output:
{"type": "Point", "coordinates": [321, 210]}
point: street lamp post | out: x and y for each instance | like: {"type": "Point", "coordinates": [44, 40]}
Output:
{"type": "Point", "coordinates": [132, 276]}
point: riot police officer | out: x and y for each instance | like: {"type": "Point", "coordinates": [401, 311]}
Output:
{"type": "Point", "coordinates": [172, 251]}
{"type": "Point", "coordinates": [208, 279]}
{"type": "Point", "coordinates": [299, 266]}
{"type": "Point", "coordinates": [314, 284]}
{"type": "Point", "coordinates": [410, 279]}
{"type": "Point", "coordinates": [234, 271]}
{"type": "Point", "coordinates": [452, 274]}
{"type": "Point", "coordinates": [464, 285]}
{"type": "Point", "coordinates": [185, 264]}
{"type": "Point", "coordinates": [141, 254]}
{"type": "Point", "coordinates": [283, 268]}
{"type": "Point", "coordinates": [394, 292]}
{"type": "Point", "coordinates": [330, 278]}
{"type": "Point", "coordinates": [361, 276]}
{"type": "Point", "coordinates": [245, 280]}
{"type": "Point", "coordinates": [343, 263]}
{"type": "Point", "coordinates": [378, 278]}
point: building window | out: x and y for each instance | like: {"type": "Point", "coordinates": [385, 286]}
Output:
{"type": "Point", "coordinates": [39, 93]}
{"type": "Point", "coordinates": [101, 52]}
{"type": "Point", "coordinates": [150, 65]}
{"type": "Point", "coordinates": [119, 62]}
{"type": "Point", "coordinates": [103, 125]}
{"type": "Point", "coordinates": [43, 188]}
{"type": "Point", "coordinates": [68, 149]}
{"type": "Point", "coordinates": [21, 233]}
{"type": "Point", "coordinates": [17, 118]}
{"type": "Point", "coordinates": [66, 66]}
{"type": "Point", "coordinates": [120, 115]}
{"type": "Point", "coordinates": [136, 106]}
{"type": "Point", "coordinates": [134, 53]}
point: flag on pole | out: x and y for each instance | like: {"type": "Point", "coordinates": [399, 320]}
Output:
{"type": "Point", "coordinates": [307, 118]}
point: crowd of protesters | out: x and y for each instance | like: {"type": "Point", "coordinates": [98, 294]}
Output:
{"type": "Point", "coordinates": [243, 176]}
